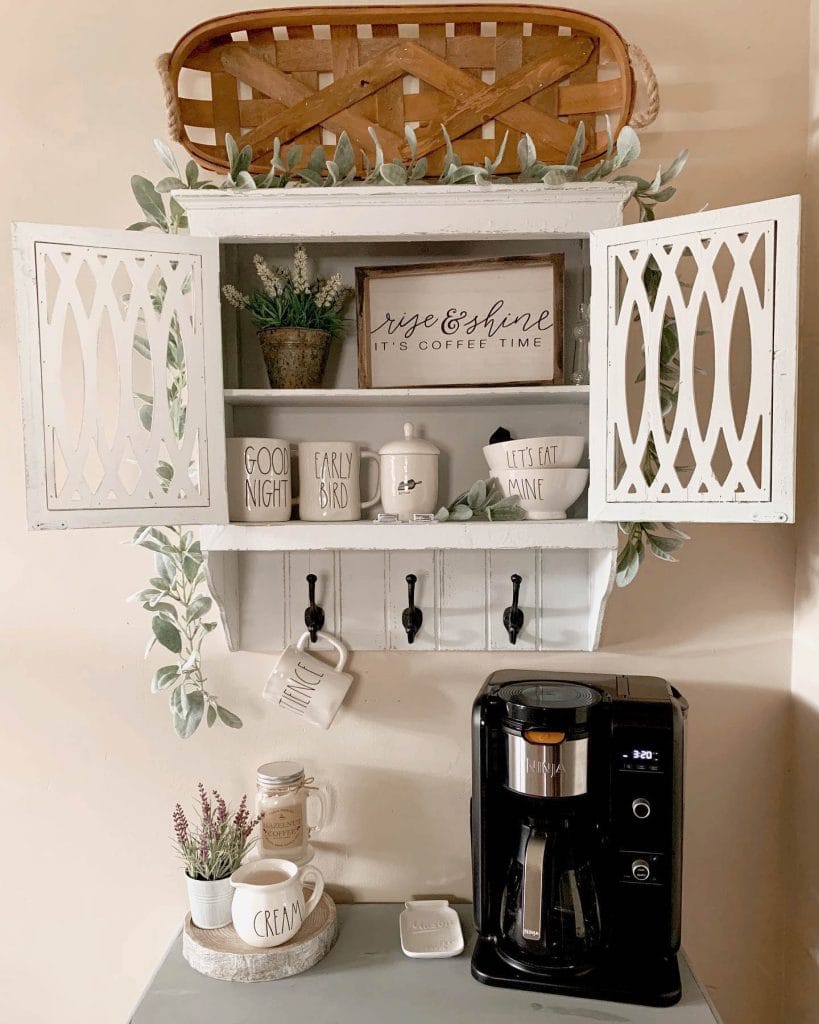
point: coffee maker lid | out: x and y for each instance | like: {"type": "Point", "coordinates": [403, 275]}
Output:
{"type": "Point", "coordinates": [528, 702]}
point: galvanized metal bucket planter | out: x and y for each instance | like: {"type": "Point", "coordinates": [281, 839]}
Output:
{"type": "Point", "coordinates": [295, 356]}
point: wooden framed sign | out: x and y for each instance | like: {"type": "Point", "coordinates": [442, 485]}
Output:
{"type": "Point", "coordinates": [461, 324]}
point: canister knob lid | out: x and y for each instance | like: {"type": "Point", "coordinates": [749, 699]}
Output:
{"type": "Point", "coordinates": [409, 444]}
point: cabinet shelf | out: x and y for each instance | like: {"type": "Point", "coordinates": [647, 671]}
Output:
{"type": "Point", "coordinates": [370, 536]}
{"type": "Point", "coordinates": [374, 397]}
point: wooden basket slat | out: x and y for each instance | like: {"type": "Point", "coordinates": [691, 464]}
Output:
{"type": "Point", "coordinates": [225, 102]}
{"type": "Point", "coordinates": [546, 89]}
{"type": "Point", "coordinates": [508, 58]}
{"type": "Point", "coordinates": [308, 76]}
{"type": "Point", "coordinates": [470, 32]}
{"type": "Point", "coordinates": [547, 101]}
{"type": "Point", "coordinates": [389, 102]}
{"type": "Point", "coordinates": [429, 105]}
{"type": "Point", "coordinates": [258, 39]}
{"type": "Point", "coordinates": [346, 56]}
{"type": "Point", "coordinates": [587, 75]}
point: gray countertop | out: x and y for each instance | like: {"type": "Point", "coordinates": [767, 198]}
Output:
{"type": "Point", "coordinates": [366, 979]}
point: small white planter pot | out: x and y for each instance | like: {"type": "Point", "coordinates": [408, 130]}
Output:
{"type": "Point", "coordinates": [210, 902]}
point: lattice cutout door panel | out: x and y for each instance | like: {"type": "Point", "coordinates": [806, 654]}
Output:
{"type": "Point", "coordinates": [694, 348]}
{"type": "Point", "coordinates": [120, 350]}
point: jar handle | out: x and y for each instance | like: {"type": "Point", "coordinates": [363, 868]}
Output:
{"type": "Point", "coordinates": [320, 793]}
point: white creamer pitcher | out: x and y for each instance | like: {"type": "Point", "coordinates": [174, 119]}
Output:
{"type": "Point", "coordinates": [268, 902]}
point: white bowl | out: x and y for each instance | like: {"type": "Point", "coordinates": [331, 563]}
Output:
{"type": "Point", "coordinates": [535, 453]}
{"type": "Point", "coordinates": [544, 493]}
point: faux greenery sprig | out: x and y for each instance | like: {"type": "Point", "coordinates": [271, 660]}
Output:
{"type": "Point", "coordinates": [483, 500]}
{"type": "Point", "coordinates": [288, 298]}
{"type": "Point", "coordinates": [396, 172]}
{"type": "Point", "coordinates": [321, 172]}
{"type": "Point", "coordinates": [644, 536]}
{"type": "Point", "coordinates": [216, 846]}
{"type": "Point", "coordinates": [178, 607]}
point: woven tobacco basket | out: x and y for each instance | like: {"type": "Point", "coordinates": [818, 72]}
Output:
{"type": "Point", "coordinates": [304, 75]}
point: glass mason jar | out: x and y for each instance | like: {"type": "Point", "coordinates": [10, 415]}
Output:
{"type": "Point", "coordinates": [282, 794]}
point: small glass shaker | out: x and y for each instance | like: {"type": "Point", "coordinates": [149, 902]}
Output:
{"type": "Point", "coordinates": [580, 358]}
{"type": "Point", "coordinates": [282, 794]}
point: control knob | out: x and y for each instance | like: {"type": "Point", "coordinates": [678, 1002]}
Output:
{"type": "Point", "coordinates": [640, 870]}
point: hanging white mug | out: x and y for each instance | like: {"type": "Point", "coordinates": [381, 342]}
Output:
{"type": "Point", "coordinates": [306, 686]}
{"type": "Point", "coordinates": [259, 481]}
{"type": "Point", "coordinates": [268, 902]}
{"type": "Point", "coordinates": [330, 481]}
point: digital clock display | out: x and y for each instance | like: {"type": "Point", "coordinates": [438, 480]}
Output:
{"type": "Point", "coordinates": [640, 759]}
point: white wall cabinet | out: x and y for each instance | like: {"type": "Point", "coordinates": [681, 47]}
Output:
{"type": "Point", "coordinates": [107, 319]}
{"type": "Point", "coordinates": [107, 441]}
{"type": "Point", "coordinates": [730, 280]}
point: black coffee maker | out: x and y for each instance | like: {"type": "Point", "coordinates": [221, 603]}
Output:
{"type": "Point", "coordinates": [577, 834]}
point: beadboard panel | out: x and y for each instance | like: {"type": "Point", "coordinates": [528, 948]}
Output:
{"type": "Point", "coordinates": [462, 595]}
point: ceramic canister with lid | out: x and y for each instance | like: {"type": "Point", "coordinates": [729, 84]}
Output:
{"type": "Point", "coordinates": [409, 475]}
{"type": "Point", "coordinates": [282, 793]}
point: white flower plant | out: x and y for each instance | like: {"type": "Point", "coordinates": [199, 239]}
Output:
{"type": "Point", "coordinates": [174, 596]}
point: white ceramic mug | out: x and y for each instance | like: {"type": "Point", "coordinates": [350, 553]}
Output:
{"type": "Point", "coordinates": [330, 481]}
{"type": "Point", "coordinates": [304, 685]}
{"type": "Point", "coordinates": [259, 481]}
{"type": "Point", "coordinates": [268, 900]}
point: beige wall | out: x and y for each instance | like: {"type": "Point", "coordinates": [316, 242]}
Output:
{"type": "Point", "coordinates": [90, 767]}
{"type": "Point", "coordinates": [802, 874]}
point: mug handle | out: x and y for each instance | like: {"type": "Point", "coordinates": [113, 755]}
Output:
{"type": "Point", "coordinates": [318, 888]}
{"type": "Point", "coordinates": [341, 650]}
{"type": "Point", "coordinates": [377, 496]}
{"type": "Point", "coordinates": [294, 498]}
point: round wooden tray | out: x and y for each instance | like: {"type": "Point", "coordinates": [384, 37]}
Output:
{"type": "Point", "coordinates": [220, 953]}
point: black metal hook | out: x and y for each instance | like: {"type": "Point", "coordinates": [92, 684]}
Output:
{"type": "Point", "coordinates": [513, 616]}
{"type": "Point", "coordinates": [313, 614]}
{"type": "Point", "coordinates": [411, 617]}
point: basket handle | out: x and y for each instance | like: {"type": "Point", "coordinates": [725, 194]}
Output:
{"type": "Point", "coordinates": [172, 112]}
{"type": "Point", "coordinates": [643, 71]}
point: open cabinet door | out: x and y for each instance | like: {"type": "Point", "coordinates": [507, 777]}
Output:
{"type": "Point", "coordinates": [694, 330]}
{"type": "Point", "coordinates": [121, 366]}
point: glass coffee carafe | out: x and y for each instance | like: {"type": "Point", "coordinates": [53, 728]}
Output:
{"type": "Point", "coordinates": [550, 915]}
{"type": "Point", "coordinates": [550, 910]}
